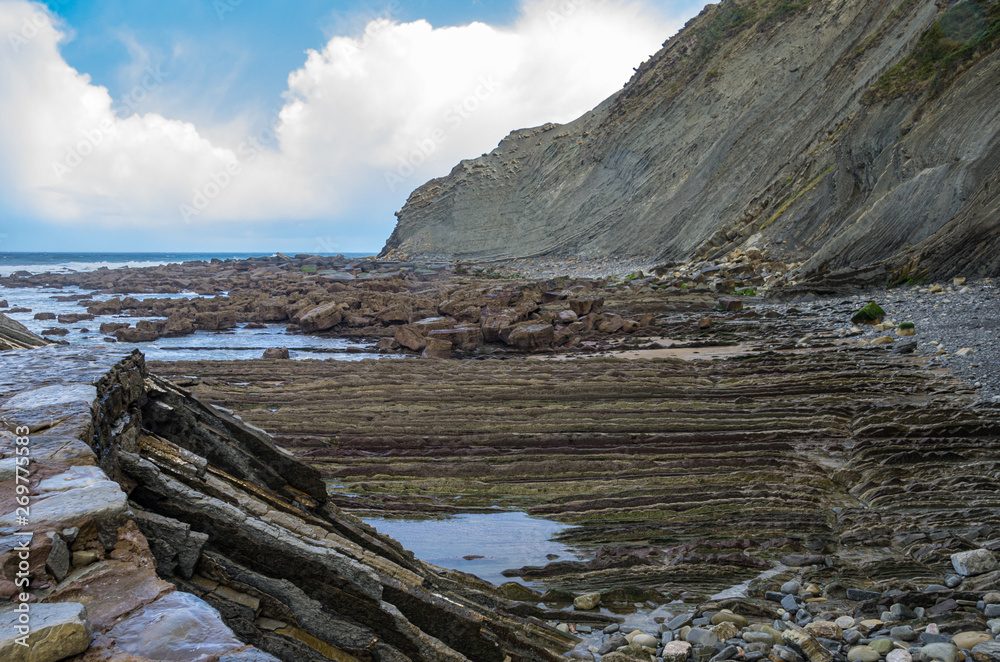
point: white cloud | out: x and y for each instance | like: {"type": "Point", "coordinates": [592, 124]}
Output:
{"type": "Point", "coordinates": [408, 99]}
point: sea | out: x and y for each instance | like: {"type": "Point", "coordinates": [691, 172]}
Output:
{"type": "Point", "coordinates": [235, 344]}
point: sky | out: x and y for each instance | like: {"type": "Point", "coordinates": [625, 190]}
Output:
{"type": "Point", "coordinates": [257, 125]}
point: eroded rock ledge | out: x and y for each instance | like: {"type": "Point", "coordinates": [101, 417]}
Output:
{"type": "Point", "coordinates": [159, 523]}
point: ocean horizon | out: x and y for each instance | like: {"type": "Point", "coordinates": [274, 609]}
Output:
{"type": "Point", "coordinates": [38, 262]}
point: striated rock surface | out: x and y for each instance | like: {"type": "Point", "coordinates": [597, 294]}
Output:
{"type": "Point", "coordinates": [137, 489]}
{"type": "Point", "coordinates": [843, 132]}
{"type": "Point", "coordinates": [13, 335]}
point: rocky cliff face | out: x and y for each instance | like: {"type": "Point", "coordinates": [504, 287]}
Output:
{"type": "Point", "coordinates": [842, 132]}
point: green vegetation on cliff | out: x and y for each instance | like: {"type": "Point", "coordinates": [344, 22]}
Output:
{"type": "Point", "coordinates": [965, 33]}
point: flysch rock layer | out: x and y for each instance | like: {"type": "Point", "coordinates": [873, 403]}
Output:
{"type": "Point", "coordinates": [757, 125]}
{"type": "Point", "coordinates": [13, 335]}
{"type": "Point", "coordinates": [681, 475]}
{"type": "Point", "coordinates": [168, 529]}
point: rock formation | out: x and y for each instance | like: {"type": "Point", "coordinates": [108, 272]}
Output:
{"type": "Point", "coordinates": [135, 489]}
{"type": "Point", "coordinates": [844, 133]}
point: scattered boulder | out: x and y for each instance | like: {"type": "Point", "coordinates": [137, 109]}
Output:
{"type": "Point", "coordinates": [321, 318]}
{"type": "Point", "coordinates": [437, 349]}
{"type": "Point", "coordinates": [587, 602]}
{"type": "Point", "coordinates": [974, 562]}
{"type": "Point", "coordinates": [870, 314]}
{"type": "Point", "coordinates": [276, 353]}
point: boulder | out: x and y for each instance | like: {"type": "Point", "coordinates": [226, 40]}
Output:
{"type": "Point", "coordinates": [177, 326]}
{"type": "Point", "coordinates": [321, 318]}
{"type": "Point", "coordinates": [276, 353]}
{"type": "Point", "coordinates": [870, 314]}
{"type": "Point", "coordinates": [974, 562]}
{"type": "Point", "coordinates": [730, 304]}
{"type": "Point", "coordinates": [586, 306]}
{"type": "Point", "coordinates": [44, 317]}
{"type": "Point", "coordinates": [530, 335]}
{"type": "Point", "coordinates": [463, 338]}
{"type": "Point", "coordinates": [969, 640]}
{"type": "Point", "coordinates": [216, 321]}
{"type": "Point", "coordinates": [587, 602]}
{"type": "Point", "coordinates": [437, 349]}
{"type": "Point", "coordinates": [409, 337]}
{"type": "Point", "coordinates": [144, 331]}
{"type": "Point", "coordinates": [676, 651]}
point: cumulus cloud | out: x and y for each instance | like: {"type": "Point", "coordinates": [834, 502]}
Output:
{"type": "Point", "coordinates": [368, 116]}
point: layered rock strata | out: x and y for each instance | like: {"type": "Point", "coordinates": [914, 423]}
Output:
{"type": "Point", "coordinates": [137, 490]}
{"type": "Point", "coordinates": [681, 475]}
{"type": "Point", "coordinates": [845, 133]}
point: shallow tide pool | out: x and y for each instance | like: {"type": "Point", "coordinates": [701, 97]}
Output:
{"type": "Point", "coordinates": [506, 540]}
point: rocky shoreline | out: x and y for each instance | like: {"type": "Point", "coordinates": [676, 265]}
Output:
{"type": "Point", "coordinates": [703, 426]}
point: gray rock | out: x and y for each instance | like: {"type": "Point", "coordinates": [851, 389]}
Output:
{"type": "Point", "coordinates": [952, 581]}
{"type": "Point", "coordinates": [785, 654]}
{"type": "Point", "coordinates": [680, 621]}
{"type": "Point", "coordinates": [758, 638]}
{"type": "Point", "coordinates": [790, 588]}
{"type": "Point", "coordinates": [612, 644]}
{"type": "Point", "coordinates": [100, 500]}
{"type": "Point", "coordinates": [611, 629]}
{"type": "Point", "coordinates": [727, 653]}
{"type": "Point", "coordinates": [974, 562]}
{"type": "Point", "coordinates": [57, 631]}
{"type": "Point", "coordinates": [988, 651]}
{"type": "Point", "coordinates": [790, 604]}
{"type": "Point", "coordinates": [939, 653]}
{"type": "Point", "coordinates": [902, 612]}
{"type": "Point", "coordinates": [701, 637]}
{"type": "Point", "coordinates": [852, 637]}
{"type": "Point", "coordinates": [59, 557]}
{"type": "Point", "coordinates": [992, 611]}
{"type": "Point", "coordinates": [903, 633]}
{"type": "Point", "coordinates": [861, 596]}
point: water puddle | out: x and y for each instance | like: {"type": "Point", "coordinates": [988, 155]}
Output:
{"type": "Point", "coordinates": [504, 540]}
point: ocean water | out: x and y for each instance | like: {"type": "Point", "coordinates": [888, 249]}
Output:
{"type": "Point", "coordinates": [37, 263]}
{"type": "Point", "coordinates": [235, 344]}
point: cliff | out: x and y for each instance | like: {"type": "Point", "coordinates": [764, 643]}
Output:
{"type": "Point", "coordinates": [841, 133]}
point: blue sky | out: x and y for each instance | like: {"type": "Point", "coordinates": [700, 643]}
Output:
{"type": "Point", "coordinates": [127, 114]}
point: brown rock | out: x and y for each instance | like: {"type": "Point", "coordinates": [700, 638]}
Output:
{"type": "Point", "coordinates": [321, 318]}
{"type": "Point", "coordinates": [730, 304]}
{"type": "Point", "coordinates": [586, 306]}
{"type": "Point", "coordinates": [611, 324]}
{"type": "Point", "coordinates": [216, 321]}
{"type": "Point", "coordinates": [531, 335]}
{"type": "Point", "coordinates": [464, 339]}
{"type": "Point", "coordinates": [408, 337]}
{"type": "Point", "coordinates": [74, 318]}
{"type": "Point", "coordinates": [566, 317]}
{"type": "Point", "coordinates": [55, 332]}
{"type": "Point", "coordinates": [705, 323]}
{"type": "Point", "coordinates": [108, 328]}
{"type": "Point", "coordinates": [437, 349]}
{"type": "Point", "coordinates": [176, 326]}
{"type": "Point", "coordinates": [276, 353]}
{"type": "Point", "coordinates": [45, 316]}
{"type": "Point", "coordinates": [144, 331]}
